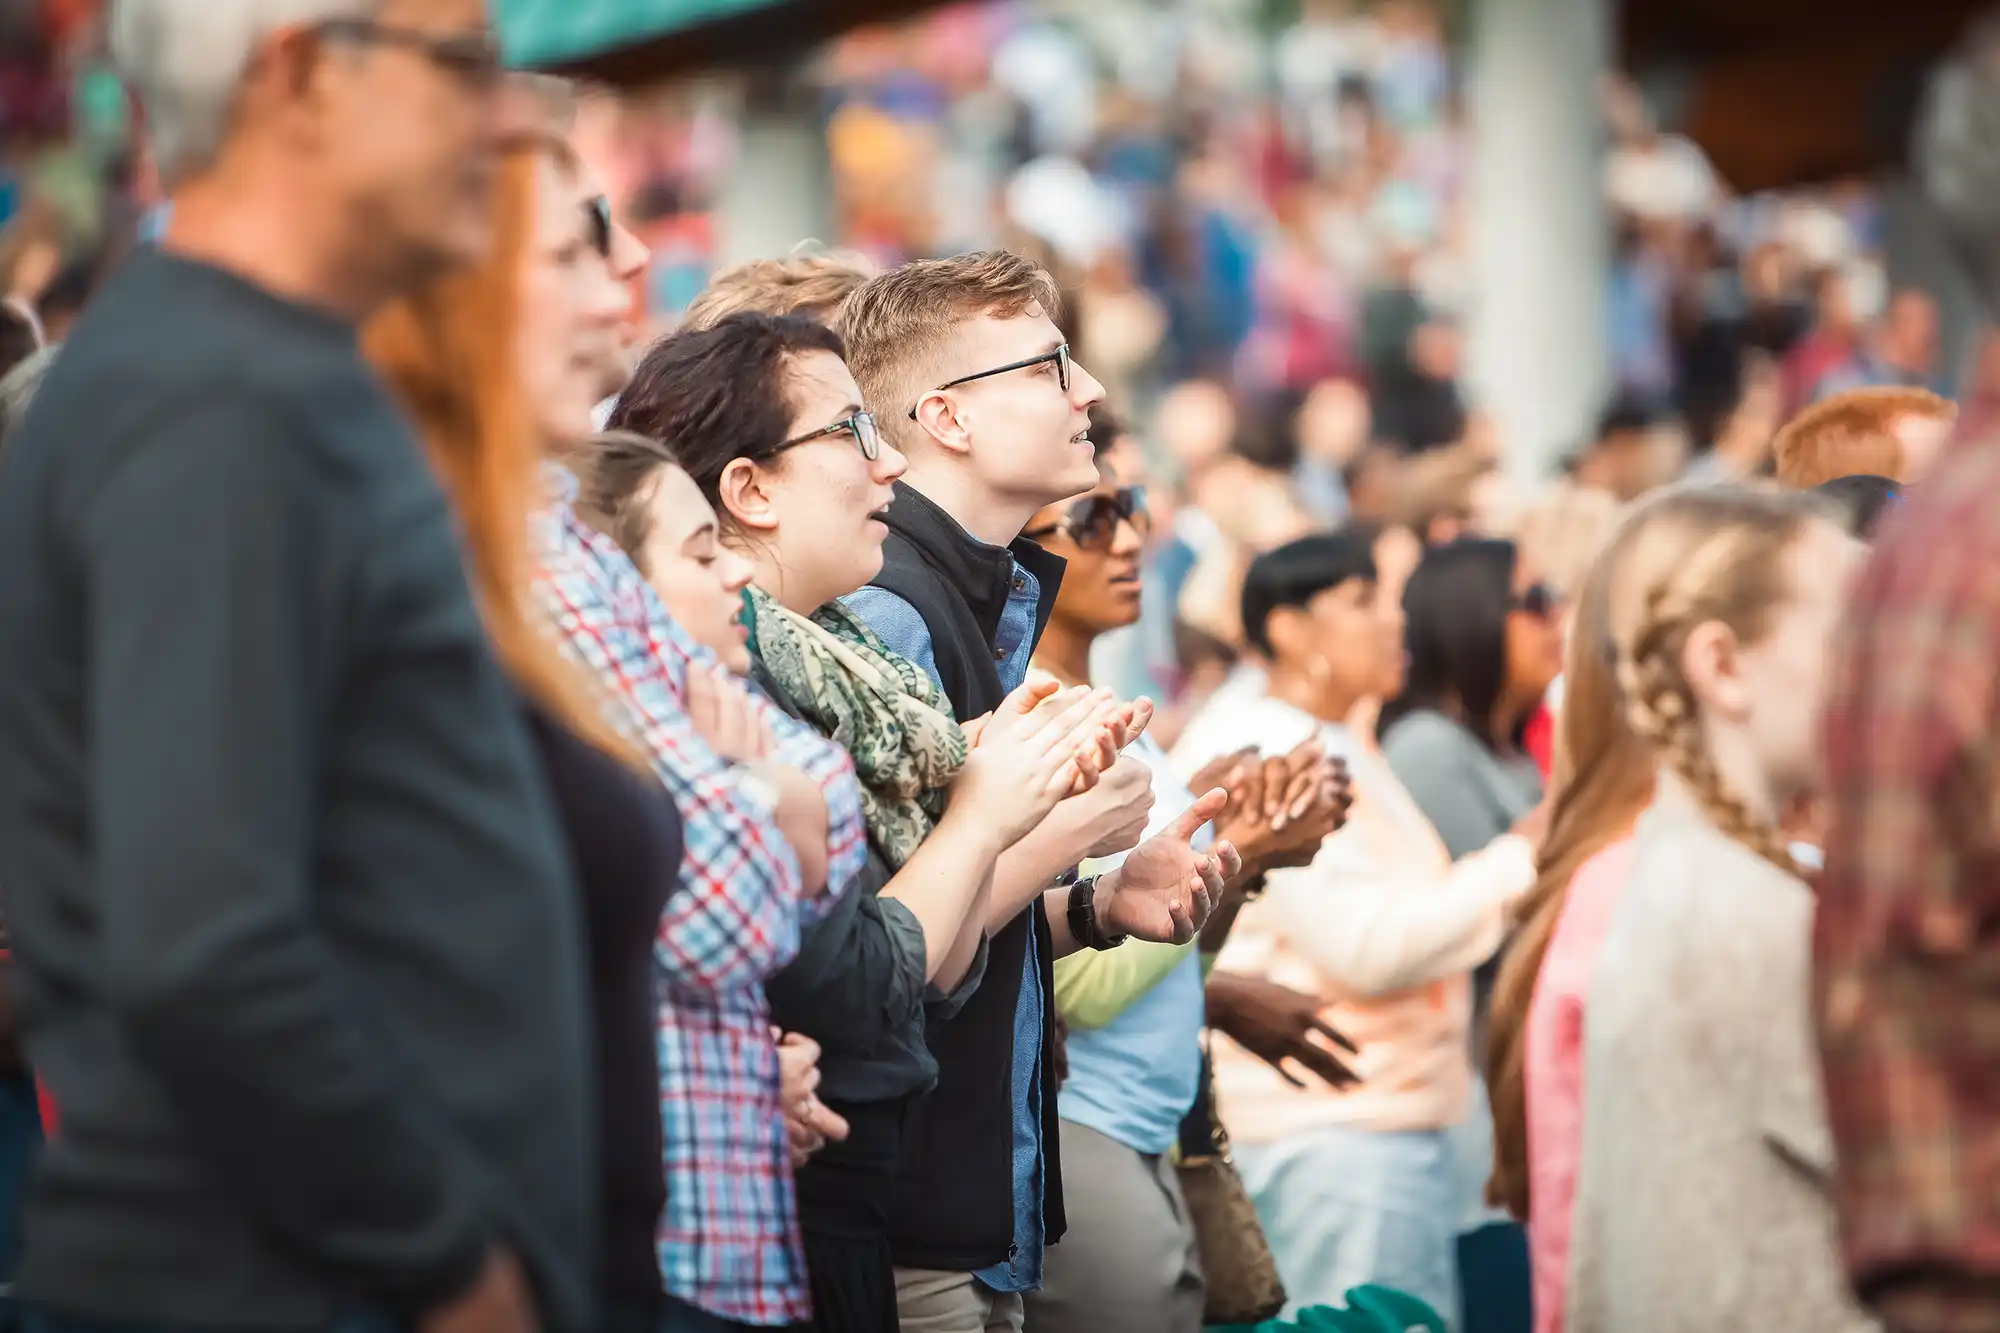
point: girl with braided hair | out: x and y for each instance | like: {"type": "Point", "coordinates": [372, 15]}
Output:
{"type": "Point", "coordinates": [1701, 1196]}
{"type": "Point", "coordinates": [1602, 780]}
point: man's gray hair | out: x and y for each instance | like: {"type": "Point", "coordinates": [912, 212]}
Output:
{"type": "Point", "coordinates": [17, 389]}
{"type": "Point", "coordinates": [185, 59]}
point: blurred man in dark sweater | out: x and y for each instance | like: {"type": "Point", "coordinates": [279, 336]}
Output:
{"type": "Point", "coordinates": [295, 939]}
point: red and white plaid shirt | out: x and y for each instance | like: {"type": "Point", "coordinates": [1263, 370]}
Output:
{"type": "Point", "coordinates": [729, 1239]}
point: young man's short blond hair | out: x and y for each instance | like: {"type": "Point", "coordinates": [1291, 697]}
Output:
{"type": "Point", "coordinates": [811, 285]}
{"type": "Point", "coordinates": [1852, 434]}
{"type": "Point", "coordinates": [899, 325]}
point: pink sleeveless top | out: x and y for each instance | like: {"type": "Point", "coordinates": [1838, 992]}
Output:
{"type": "Point", "coordinates": [1554, 1067]}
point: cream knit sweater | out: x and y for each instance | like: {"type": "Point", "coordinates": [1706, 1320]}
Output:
{"type": "Point", "coordinates": [1382, 926]}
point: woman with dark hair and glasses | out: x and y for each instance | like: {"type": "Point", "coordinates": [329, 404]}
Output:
{"type": "Point", "coordinates": [742, 460]}
{"type": "Point", "coordinates": [1485, 640]}
{"type": "Point", "coordinates": [1135, 1015]}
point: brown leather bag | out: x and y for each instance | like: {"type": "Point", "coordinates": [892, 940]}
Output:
{"type": "Point", "coordinates": [1236, 1262]}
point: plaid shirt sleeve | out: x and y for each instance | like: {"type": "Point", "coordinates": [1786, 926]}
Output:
{"type": "Point", "coordinates": [736, 917]}
{"type": "Point", "coordinates": [830, 766]}
{"type": "Point", "coordinates": [1906, 949]}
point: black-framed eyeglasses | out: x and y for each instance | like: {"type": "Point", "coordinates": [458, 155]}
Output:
{"type": "Point", "coordinates": [1538, 600]}
{"type": "Point", "coordinates": [597, 221]}
{"type": "Point", "coordinates": [1060, 356]}
{"type": "Point", "coordinates": [1092, 522]}
{"type": "Point", "coordinates": [861, 426]}
{"type": "Point", "coordinates": [473, 57]}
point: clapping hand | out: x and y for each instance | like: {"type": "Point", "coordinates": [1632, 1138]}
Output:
{"type": "Point", "coordinates": [1118, 726]}
{"type": "Point", "coordinates": [1165, 889]}
{"type": "Point", "coordinates": [1227, 771]}
{"type": "Point", "coordinates": [1119, 809]}
{"type": "Point", "coordinates": [1030, 753]}
{"type": "Point", "coordinates": [1282, 808]}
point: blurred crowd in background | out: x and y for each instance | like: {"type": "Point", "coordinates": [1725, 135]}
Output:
{"type": "Point", "coordinates": [1257, 212]}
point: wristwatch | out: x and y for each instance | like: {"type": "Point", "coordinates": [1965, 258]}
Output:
{"type": "Point", "coordinates": [1083, 917]}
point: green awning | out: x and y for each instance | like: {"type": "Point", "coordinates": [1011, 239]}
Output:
{"type": "Point", "coordinates": [639, 41]}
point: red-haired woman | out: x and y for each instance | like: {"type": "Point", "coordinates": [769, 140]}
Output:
{"type": "Point", "coordinates": [483, 383]}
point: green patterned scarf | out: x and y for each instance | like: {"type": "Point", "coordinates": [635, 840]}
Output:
{"type": "Point", "coordinates": [883, 708]}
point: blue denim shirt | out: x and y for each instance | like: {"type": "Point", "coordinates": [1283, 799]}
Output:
{"type": "Point", "coordinates": [902, 628]}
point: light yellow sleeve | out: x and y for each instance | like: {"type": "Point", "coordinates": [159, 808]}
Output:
{"type": "Point", "coordinates": [1092, 988]}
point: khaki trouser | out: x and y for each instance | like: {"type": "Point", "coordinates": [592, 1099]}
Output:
{"type": "Point", "coordinates": [1128, 1263]}
{"type": "Point", "coordinates": [928, 1302]}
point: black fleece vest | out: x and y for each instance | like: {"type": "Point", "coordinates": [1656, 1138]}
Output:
{"type": "Point", "coordinates": [955, 1195]}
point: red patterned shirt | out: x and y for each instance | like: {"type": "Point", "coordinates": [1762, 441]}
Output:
{"type": "Point", "coordinates": [1907, 940]}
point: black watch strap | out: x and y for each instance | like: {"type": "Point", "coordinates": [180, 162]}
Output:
{"type": "Point", "coordinates": [1083, 917]}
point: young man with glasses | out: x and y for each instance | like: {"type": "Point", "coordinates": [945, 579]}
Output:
{"type": "Point", "coordinates": [295, 936]}
{"type": "Point", "coordinates": [972, 380]}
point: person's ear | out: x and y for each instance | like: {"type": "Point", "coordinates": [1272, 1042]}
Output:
{"type": "Point", "coordinates": [1288, 629]}
{"type": "Point", "coordinates": [744, 490]}
{"type": "Point", "coordinates": [285, 90]}
{"type": "Point", "coordinates": [1712, 664]}
{"type": "Point", "coordinates": [946, 423]}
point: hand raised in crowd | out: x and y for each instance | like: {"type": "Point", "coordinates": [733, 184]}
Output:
{"type": "Point", "coordinates": [1165, 889]}
{"type": "Point", "coordinates": [720, 710]}
{"type": "Point", "coordinates": [1029, 755]}
{"type": "Point", "coordinates": [808, 1122]}
{"type": "Point", "coordinates": [1278, 1024]}
{"type": "Point", "coordinates": [498, 1301]}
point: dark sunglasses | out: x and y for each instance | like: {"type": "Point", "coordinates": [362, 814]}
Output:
{"type": "Point", "coordinates": [861, 426]}
{"type": "Point", "coordinates": [473, 57]}
{"type": "Point", "coordinates": [1060, 356]}
{"type": "Point", "coordinates": [1538, 600]}
{"type": "Point", "coordinates": [1092, 522]}
{"type": "Point", "coordinates": [597, 219]}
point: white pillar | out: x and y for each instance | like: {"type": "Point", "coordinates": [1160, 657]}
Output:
{"type": "Point", "coordinates": [779, 189]}
{"type": "Point", "coordinates": [1539, 361]}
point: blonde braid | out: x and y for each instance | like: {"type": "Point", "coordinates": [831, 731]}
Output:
{"type": "Point", "coordinates": [1662, 710]}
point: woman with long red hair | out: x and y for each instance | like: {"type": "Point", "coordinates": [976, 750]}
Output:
{"type": "Point", "coordinates": [486, 384]}
{"type": "Point", "coordinates": [1602, 782]}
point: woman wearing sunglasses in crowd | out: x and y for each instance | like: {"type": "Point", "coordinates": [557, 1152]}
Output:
{"type": "Point", "coordinates": [1485, 641]}
{"type": "Point", "coordinates": [1135, 1014]}
{"type": "Point", "coordinates": [752, 525]}
{"type": "Point", "coordinates": [490, 388]}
